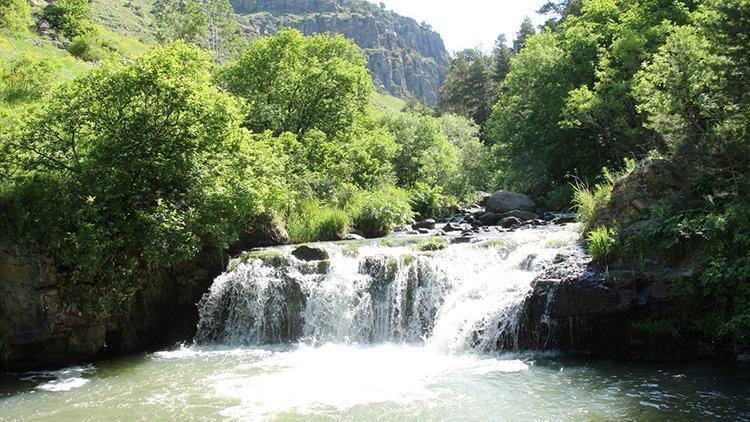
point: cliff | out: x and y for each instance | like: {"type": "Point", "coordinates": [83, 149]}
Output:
{"type": "Point", "coordinates": [405, 58]}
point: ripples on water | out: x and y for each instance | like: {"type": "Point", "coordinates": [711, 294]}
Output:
{"type": "Point", "coordinates": [385, 382]}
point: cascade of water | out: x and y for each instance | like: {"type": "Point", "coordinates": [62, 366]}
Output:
{"type": "Point", "coordinates": [467, 296]}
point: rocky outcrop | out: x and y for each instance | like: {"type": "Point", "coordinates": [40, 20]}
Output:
{"type": "Point", "coordinates": [625, 313]}
{"type": "Point", "coordinates": [39, 329]}
{"type": "Point", "coordinates": [406, 58]}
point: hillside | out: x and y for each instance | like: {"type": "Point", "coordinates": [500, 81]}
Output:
{"type": "Point", "coordinates": [405, 58]}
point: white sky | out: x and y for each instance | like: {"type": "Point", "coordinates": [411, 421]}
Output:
{"type": "Point", "coordinates": [469, 23]}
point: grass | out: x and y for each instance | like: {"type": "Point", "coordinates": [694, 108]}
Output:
{"type": "Point", "coordinates": [432, 245]}
{"type": "Point", "coordinates": [130, 19]}
{"type": "Point", "coordinates": [13, 46]}
{"type": "Point", "coordinates": [384, 103]}
{"type": "Point", "coordinates": [601, 243]}
{"type": "Point", "coordinates": [313, 221]}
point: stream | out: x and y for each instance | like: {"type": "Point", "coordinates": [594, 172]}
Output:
{"type": "Point", "coordinates": [378, 330]}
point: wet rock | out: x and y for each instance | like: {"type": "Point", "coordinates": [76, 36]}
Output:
{"type": "Point", "coordinates": [452, 227]}
{"type": "Point", "coordinates": [490, 219]}
{"type": "Point", "coordinates": [463, 239]}
{"type": "Point", "coordinates": [483, 198]}
{"type": "Point", "coordinates": [425, 224]}
{"type": "Point", "coordinates": [521, 215]}
{"type": "Point", "coordinates": [423, 231]}
{"type": "Point", "coordinates": [307, 253]}
{"type": "Point", "coordinates": [504, 201]}
{"type": "Point", "coordinates": [509, 222]}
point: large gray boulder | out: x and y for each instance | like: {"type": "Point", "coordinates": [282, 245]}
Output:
{"type": "Point", "coordinates": [504, 201]}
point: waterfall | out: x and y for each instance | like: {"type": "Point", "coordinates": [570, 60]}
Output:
{"type": "Point", "coordinates": [467, 296]}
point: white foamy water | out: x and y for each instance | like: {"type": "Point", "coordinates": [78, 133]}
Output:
{"type": "Point", "coordinates": [466, 297]}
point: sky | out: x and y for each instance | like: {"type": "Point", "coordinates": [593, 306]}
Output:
{"type": "Point", "coordinates": [469, 23]}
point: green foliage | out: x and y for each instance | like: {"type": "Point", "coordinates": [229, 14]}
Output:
{"type": "Point", "coordinates": [425, 154]}
{"type": "Point", "coordinates": [469, 89]}
{"type": "Point", "coordinates": [375, 214]}
{"type": "Point", "coordinates": [88, 47]}
{"type": "Point", "coordinates": [72, 18]}
{"type": "Point", "coordinates": [312, 221]}
{"type": "Point", "coordinates": [134, 168]}
{"type": "Point", "coordinates": [15, 15]}
{"type": "Point", "coordinates": [602, 242]}
{"type": "Point", "coordinates": [428, 201]}
{"type": "Point", "coordinates": [589, 202]}
{"type": "Point", "coordinates": [568, 106]}
{"type": "Point", "coordinates": [211, 24]}
{"type": "Point", "coordinates": [26, 79]}
{"type": "Point", "coordinates": [433, 245]}
{"type": "Point", "coordinates": [296, 84]}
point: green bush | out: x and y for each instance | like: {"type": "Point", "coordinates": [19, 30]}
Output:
{"type": "Point", "coordinates": [26, 79]}
{"type": "Point", "coordinates": [88, 47]}
{"type": "Point", "coordinates": [376, 213]}
{"type": "Point", "coordinates": [15, 15]}
{"type": "Point", "coordinates": [428, 201]}
{"type": "Point", "coordinates": [312, 221]}
{"type": "Point", "coordinates": [72, 18]}
{"type": "Point", "coordinates": [602, 242]}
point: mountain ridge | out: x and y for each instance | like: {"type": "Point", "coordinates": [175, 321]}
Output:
{"type": "Point", "coordinates": [406, 59]}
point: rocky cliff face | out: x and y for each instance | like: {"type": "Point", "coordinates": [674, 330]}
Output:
{"type": "Point", "coordinates": [38, 329]}
{"type": "Point", "coordinates": [626, 312]}
{"type": "Point", "coordinates": [405, 58]}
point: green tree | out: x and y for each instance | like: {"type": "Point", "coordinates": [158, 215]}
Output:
{"type": "Point", "coordinates": [15, 15]}
{"type": "Point", "coordinates": [425, 156]}
{"type": "Point", "coordinates": [211, 24]}
{"type": "Point", "coordinates": [135, 169]}
{"type": "Point", "coordinates": [501, 57]}
{"type": "Point", "coordinates": [469, 89]}
{"type": "Point", "coordinates": [527, 29]}
{"type": "Point", "coordinates": [71, 17]}
{"type": "Point", "coordinates": [293, 83]}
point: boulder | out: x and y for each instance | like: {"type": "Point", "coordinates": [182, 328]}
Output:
{"type": "Point", "coordinates": [504, 201]}
{"type": "Point", "coordinates": [424, 224]}
{"type": "Point", "coordinates": [521, 215]}
{"type": "Point", "coordinates": [490, 219]}
{"type": "Point", "coordinates": [307, 253]}
{"type": "Point", "coordinates": [509, 222]}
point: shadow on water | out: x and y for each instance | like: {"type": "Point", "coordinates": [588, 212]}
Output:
{"type": "Point", "coordinates": [659, 390]}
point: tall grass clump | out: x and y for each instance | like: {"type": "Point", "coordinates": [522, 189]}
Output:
{"type": "Point", "coordinates": [312, 221]}
{"type": "Point", "coordinates": [602, 242]}
{"type": "Point", "coordinates": [376, 213]}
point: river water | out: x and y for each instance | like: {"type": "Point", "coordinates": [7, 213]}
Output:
{"type": "Point", "coordinates": [379, 331]}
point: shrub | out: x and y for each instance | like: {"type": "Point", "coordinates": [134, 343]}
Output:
{"type": "Point", "coordinates": [601, 243]}
{"type": "Point", "coordinates": [71, 17]}
{"type": "Point", "coordinates": [88, 47]}
{"type": "Point", "coordinates": [376, 213]}
{"type": "Point", "coordinates": [428, 201]}
{"type": "Point", "coordinates": [26, 79]}
{"type": "Point", "coordinates": [312, 221]}
{"type": "Point", "coordinates": [589, 202]}
{"type": "Point", "coordinates": [15, 15]}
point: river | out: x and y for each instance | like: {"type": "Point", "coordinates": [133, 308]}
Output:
{"type": "Point", "coordinates": [378, 331]}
